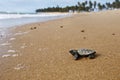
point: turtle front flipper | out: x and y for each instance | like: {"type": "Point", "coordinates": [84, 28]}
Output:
{"type": "Point", "coordinates": [76, 56]}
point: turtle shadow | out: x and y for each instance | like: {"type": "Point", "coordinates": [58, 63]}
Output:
{"type": "Point", "coordinates": [97, 55]}
{"type": "Point", "coordinates": [86, 57]}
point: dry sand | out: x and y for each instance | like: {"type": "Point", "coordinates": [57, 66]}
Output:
{"type": "Point", "coordinates": [40, 51]}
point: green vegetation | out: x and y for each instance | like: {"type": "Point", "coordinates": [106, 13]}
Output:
{"type": "Point", "coordinates": [83, 6]}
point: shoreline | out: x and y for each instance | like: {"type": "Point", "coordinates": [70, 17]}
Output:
{"type": "Point", "coordinates": [10, 20]}
{"type": "Point", "coordinates": [41, 50]}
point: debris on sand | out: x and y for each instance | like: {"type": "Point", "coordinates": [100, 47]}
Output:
{"type": "Point", "coordinates": [113, 33]}
{"type": "Point", "coordinates": [61, 26]}
{"type": "Point", "coordinates": [35, 27]}
{"type": "Point", "coordinates": [32, 28]}
{"type": "Point", "coordinates": [1, 35]}
{"type": "Point", "coordinates": [82, 30]}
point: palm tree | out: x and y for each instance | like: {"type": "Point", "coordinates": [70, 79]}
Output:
{"type": "Point", "coordinates": [116, 4]}
{"type": "Point", "coordinates": [99, 6]}
{"type": "Point", "coordinates": [79, 3]}
{"type": "Point", "coordinates": [95, 3]}
{"type": "Point", "coordinates": [108, 5]}
{"type": "Point", "coordinates": [79, 6]}
{"type": "Point", "coordinates": [90, 4]}
{"type": "Point", "coordinates": [86, 2]}
{"type": "Point", "coordinates": [103, 6]}
{"type": "Point", "coordinates": [83, 6]}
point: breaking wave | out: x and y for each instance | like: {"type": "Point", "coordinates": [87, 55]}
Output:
{"type": "Point", "coordinates": [11, 16]}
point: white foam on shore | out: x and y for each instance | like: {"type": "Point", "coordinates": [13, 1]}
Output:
{"type": "Point", "coordinates": [11, 39]}
{"type": "Point", "coordinates": [23, 46]}
{"type": "Point", "coordinates": [6, 55]}
{"type": "Point", "coordinates": [11, 51]}
{"type": "Point", "coordinates": [3, 32]}
{"type": "Point", "coordinates": [5, 44]}
{"type": "Point", "coordinates": [10, 20]}
{"type": "Point", "coordinates": [13, 16]}
{"type": "Point", "coordinates": [15, 55]}
{"type": "Point", "coordinates": [10, 55]}
{"type": "Point", "coordinates": [43, 49]}
{"type": "Point", "coordinates": [19, 66]}
{"type": "Point", "coordinates": [21, 33]}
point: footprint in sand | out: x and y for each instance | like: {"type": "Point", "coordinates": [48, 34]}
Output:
{"type": "Point", "coordinates": [84, 37]}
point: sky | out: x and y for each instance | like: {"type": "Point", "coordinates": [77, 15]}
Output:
{"type": "Point", "coordinates": [32, 5]}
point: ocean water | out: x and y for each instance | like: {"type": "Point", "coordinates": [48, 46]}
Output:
{"type": "Point", "coordinates": [10, 20]}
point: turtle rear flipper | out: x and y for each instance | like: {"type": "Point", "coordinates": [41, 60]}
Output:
{"type": "Point", "coordinates": [91, 56]}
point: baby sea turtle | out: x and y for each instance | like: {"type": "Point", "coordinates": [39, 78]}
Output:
{"type": "Point", "coordinates": [83, 53]}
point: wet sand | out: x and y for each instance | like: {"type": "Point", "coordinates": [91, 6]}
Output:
{"type": "Point", "coordinates": [40, 51]}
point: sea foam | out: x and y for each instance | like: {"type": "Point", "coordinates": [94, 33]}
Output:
{"type": "Point", "coordinates": [11, 16]}
{"type": "Point", "coordinates": [10, 20]}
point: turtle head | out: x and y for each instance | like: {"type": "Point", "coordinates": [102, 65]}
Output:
{"type": "Point", "coordinates": [73, 52]}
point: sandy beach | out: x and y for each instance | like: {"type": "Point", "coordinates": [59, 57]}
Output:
{"type": "Point", "coordinates": [40, 51]}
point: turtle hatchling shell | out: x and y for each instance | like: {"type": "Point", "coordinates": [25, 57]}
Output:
{"type": "Point", "coordinates": [85, 51]}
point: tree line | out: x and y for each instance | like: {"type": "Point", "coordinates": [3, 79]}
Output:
{"type": "Point", "coordinates": [83, 6]}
